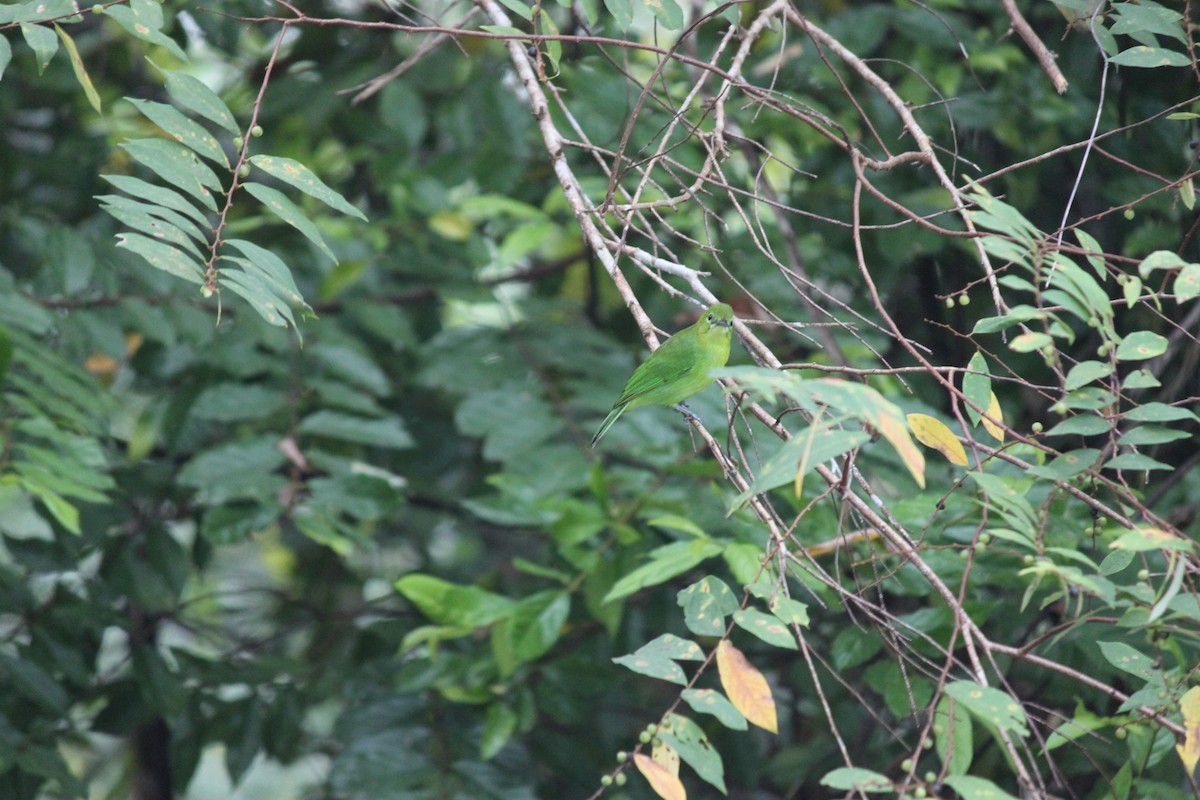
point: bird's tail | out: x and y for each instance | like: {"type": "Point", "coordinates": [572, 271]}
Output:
{"type": "Point", "coordinates": [608, 421]}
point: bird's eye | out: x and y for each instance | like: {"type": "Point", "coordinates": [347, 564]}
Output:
{"type": "Point", "coordinates": [710, 317]}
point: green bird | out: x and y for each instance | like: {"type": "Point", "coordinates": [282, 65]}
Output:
{"type": "Point", "coordinates": [679, 368]}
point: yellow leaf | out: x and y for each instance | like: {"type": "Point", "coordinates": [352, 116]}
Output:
{"type": "Point", "coordinates": [909, 453]}
{"type": "Point", "coordinates": [993, 411]}
{"type": "Point", "coordinates": [81, 73]}
{"type": "Point", "coordinates": [746, 687]}
{"type": "Point", "coordinates": [664, 784]}
{"type": "Point", "coordinates": [663, 755]}
{"type": "Point", "coordinates": [1189, 751]}
{"type": "Point", "coordinates": [934, 433]}
{"type": "Point", "coordinates": [452, 225]}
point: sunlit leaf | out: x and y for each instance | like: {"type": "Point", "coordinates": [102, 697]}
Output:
{"type": "Point", "coordinates": [746, 687]}
{"type": "Point", "coordinates": [932, 432]}
{"type": "Point", "coordinates": [1189, 750]}
{"type": "Point", "coordinates": [664, 784]}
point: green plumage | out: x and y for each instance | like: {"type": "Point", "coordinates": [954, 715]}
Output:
{"type": "Point", "coordinates": [679, 368]}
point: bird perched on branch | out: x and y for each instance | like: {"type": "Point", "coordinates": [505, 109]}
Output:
{"type": "Point", "coordinates": [679, 368]}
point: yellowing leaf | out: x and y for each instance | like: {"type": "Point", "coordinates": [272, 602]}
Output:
{"type": "Point", "coordinates": [664, 784]}
{"type": "Point", "coordinates": [933, 433]}
{"type": "Point", "coordinates": [666, 757]}
{"type": "Point", "coordinates": [1189, 751]}
{"type": "Point", "coordinates": [452, 225]}
{"type": "Point", "coordinates": [746, 687]}
{"type": "Point", "coordinates": [993, 411]}
{"type": "Point", "coordinates": [909, 453]}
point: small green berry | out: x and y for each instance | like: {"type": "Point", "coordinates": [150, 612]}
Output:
{"type": "Point", "coordinates": [964, 299]}
{"type": "Point", "coordinates": [1104, 349]}
{"type": "Point", "coordinates": [1093, 322]}
{"type": "Point", "coordinates": [1120, 733]}
{"type": "Point", "coordinates": [238, 142]}
{"type": "Point", "coordinates": [1059, 408]}
{"type": "Point", "coordinates": [1028, 559]}
{"type": "Point", "coordinates": [644, 737]}
{"type": "Point", "coordinates": [919, 792]}
{"type": "Point", "coordinates": [1037, 427]}
{"type": "Point", "coordinates": [622, 757]}
{"type": "Point", "coordinates": [931, 777]}
{"type": "Point", "coordinates": [906, 765]}
{"type": "Point", "coordinates": [1129, 213]}
{"type": "Point", "coordinates": [606, 780]}
{"type": "Point", "coordinates": [256, 131]}
{"type": "Point", "coordinates": [1143, 574]}
{"type": "Point", "coordinates": [927, 744]}
{"type": "Point", "coordinates": [97, 9]}
{"type": "Point", "coordinates": [244, 170]}
{"type": "Point", "coordinates": [621, 779]}
{"type": "Point", "coordinates": [652, 728]}
{"type": "Point", "coordinates": [949, 302]}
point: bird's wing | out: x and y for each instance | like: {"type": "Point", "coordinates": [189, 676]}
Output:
{"type": "Point", "coordinates": [666, 364]}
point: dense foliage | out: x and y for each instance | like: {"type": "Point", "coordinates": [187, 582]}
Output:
{"type": "Point", "coordinates": [308, 314]}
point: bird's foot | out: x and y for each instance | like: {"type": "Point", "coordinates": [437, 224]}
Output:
{"type": "Point", "coordinates": [682, 408]}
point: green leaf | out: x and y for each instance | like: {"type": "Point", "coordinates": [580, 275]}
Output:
{"type": "Point", "coordinates": [1153, 18]}
{"type": "Point", "coordinates": [1085, 372]}
{"type": "Point", "coordinates": [972, 788]}
{"type": "Point", "coordinates": [657, 658]}
{"type": "Point", "coordinates": [1159, 412]}
{"type": "Point", "coordinates": [156, 196]}
{"type": "Point", "coordinates": [29, 680]}
{"type": "Point", "coordinates": [705, 605]}
{"type": "Point", "coordinates": [665, 563]}
{"type": "Point", "coordinates": [1067, 465]}
{"type": "Point", "coordinates": [78, 67]}
{"type": "Point", "coordinates": [1147, 539]}
{"type": "Point", "coordinates": [953, 736]}
{"type": "Point", "coordinates": [1015, 316]}
{"type": "Point", "coordinates": [710, 701]}
{"type": "Point", "coordinates": [766, 627]}
{"type": "Point", "coordinates": [1081, 425]}
{"type": "Point", "coordinates": [182, 130]}
{"type": "Point", "coordinates": [387, 432]}
{"type": "Point", "coordinates": [144, 20]}
{"type": "Point", "coordinates": [668, 13]}
{"type": "Point", "coordinates": [1128, 659]}
{"type": "Point", "coordinates": [1029, 341]}
{"type": "Point", "coordinates": [853, 646]}
{"type": "Point", "coordinates": [262, 296]}
{"type": "Point", "coordinates": [163, 256]}
{"type": "Point", "coordinates": [178, 166]}
{"type": "Point", "coordinates": [789, 611]}
{"type": "Point", "coordinates": [42, 41]}
{"type": "Point", "coordinates": [1160, 259]}
{"type": "Point", "coordinates": [622, 12]}
{"type": "Point", "coordinates": [687, 739]}
{"type": "Point", "coordinates": [296, 174]}
{"type": "Point", "coordinates": [1149, 57]}
{"type": "Point", "coordinates": [498, 728]}
{"type": "Point", "coordinates": [195, 96]}
{"type": "Point", "coordinates": [140, 215]}
{"type": "Point", "coordinates": [807, 449]}
{"type": "Point", "coordinates": [528, 633]}
{"type": "Point", "coordinates": [1140, 379]}
{"type": "Point", "coordinates": [1135, 461]}
{"type": "Point", "coordinates": [1140, 345]}
{"type": "Point", "coordinates": [1187, 283]}
{"type": "Point", "coordinates": [289, 212]}
{"type": "Point", "coordinates": [451, 604]}
{"type": "Point", "coordinates": [1150, 435]}
{"type": "Point", "coordinates": [238, 469]}
{"type": "Point", "coordinates": [977, 386]}
{"type": "Point", "coordinates": [991, 706]}
{"type": "Point", "coordinates": [1095, 255]}
{"type": "Point", "coordinates": [856, 779]}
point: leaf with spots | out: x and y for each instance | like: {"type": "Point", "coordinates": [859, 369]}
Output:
{"type": "Point", "coordinates": [178, 166]}
{"type": "Point", "coordinates": [710, 701]}
{"type": "Point", "coordinates": [991, 706]}
{"type": "Point", "coordinates": [687, 739]}
{"type": "Point", "coordinates": [1129, 659]}
{"type": "Point", "coordinates": [294, 173]}
{"type": "Point", "coordinates": [144, 20]}
{"type": "Point", "coordinates": [766, 627]}
{"type": "Point", "coordinates": [664, 784]}
{"type": "Point", "coordinates": [181, 129]}
{"type": "Point", "coordinates": [657, 658]}
{"type": "Point", "coordinates": [705, 605]}
{"type": "Point", "coordinates": [746, 687]}
{"type": "Point", "coordinates": [195, 96]}
{"type": "Point", "coordinates": [1189, 751]}
{"type": "Point", "coordinates": [282, 206]}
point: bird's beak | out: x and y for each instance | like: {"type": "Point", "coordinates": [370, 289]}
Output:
{"type": "Point", "coordinates": [724, 323]}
